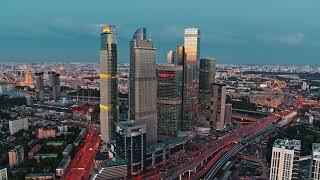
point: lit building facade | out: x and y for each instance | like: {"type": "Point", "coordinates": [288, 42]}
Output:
{"type": "Point", "coordinates": [284, 161]}
{"type": "Point", "coordinates": [169, 78]}
{"type": "Point", "coordinates": [314, 172]}
{"type": "Point", "coordinates": [218, 106]}
{"type": "Point", "coordinates": [109, 106]}
{"type": "Point", "coordinates": [143, 83]}
{"type": "Point", "coordinates": [16, 156]}
{"type": "Point", "coordinates": [170, 57]}
{"type": "Point", "coordinates": [191, 77]}
{"type": "Point", "coordinates": [131, 145]}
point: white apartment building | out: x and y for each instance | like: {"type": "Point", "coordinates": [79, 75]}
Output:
{"type": "Point", "coordinates": [284, 161]}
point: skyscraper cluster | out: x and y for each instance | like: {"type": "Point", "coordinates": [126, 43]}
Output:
{"type": "Point", "coordinates": [163, 99]}
{"type": "Point", "coordinates": [54, 85]}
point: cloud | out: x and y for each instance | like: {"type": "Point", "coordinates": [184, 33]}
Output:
{"type": "Point", "coordinates": [288, 39]}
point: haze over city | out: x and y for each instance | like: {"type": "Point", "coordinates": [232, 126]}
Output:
{"type": "Point", "coordinates": [246, 32]}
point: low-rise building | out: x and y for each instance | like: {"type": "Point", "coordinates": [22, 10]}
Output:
{"type": "Point", "coordinates": [33, 151]}
{"type": "Point", "coordinates": [46, 133]}
{"type": "Point", "coordinates": [3, 174]}
{"type": "Point", "coordinates": [112, 169]}
{"type": "Point", "coordinates": [64, 163]}
{"type": "Point", "coordinates": [40, 176]}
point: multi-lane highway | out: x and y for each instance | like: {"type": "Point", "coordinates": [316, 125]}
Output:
{"type": "Point", "coordinates": [82, 164]}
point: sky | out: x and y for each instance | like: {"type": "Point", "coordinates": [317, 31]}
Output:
{"type": "Point", "coordinates": [232, 31]}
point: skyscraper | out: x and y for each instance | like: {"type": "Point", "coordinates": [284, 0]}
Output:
{"type": "Point", "coordinates": [143, 83]}
{"type": "Point", "coordinates": [131, 145]}
{"type": "Point", "coordinates": [39, 86]}
{"type": "Point", "coordinates": [315, 162]}
{"type": "Point", "coordinates": [109, 108]}
{"type": "Point", "coordinates": [54, 82]}
{"type": "Point", "coordinates": [170, 78]}
{"type": "Point", "coordinates": [170, 57]}
{"type": "Point", "coordinates": [207, 73]}
{"type": "Point", "coordinates": [191, 77]}
{"type": "Point", "coordinates": [218, 106]}
{"type": "Point", "coordinates": [206, 80]}
{"type": "Point", "coordinates": [284, 161]}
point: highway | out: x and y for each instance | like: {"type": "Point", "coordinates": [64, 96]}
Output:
{"type": "Point", "coordinates": [82, 164]}
{"type": "Point", "coordinates": [197, 162]}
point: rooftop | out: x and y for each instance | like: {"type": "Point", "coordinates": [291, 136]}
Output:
{"type": "Point", "coordinates": [316, 147]}
{"type": "Point", "coordinates": [288, 144]}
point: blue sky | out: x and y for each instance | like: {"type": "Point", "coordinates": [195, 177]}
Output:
{"type": "Point", "coordinates": [232, 31]}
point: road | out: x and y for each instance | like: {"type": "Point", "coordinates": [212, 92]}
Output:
{"type": "Point", "coordinates": [82, 164]}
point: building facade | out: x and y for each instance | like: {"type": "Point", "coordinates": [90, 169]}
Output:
{"type": "Point", "coordinates": [314, 172]}
{"type": "Point", "coordinates": [109, 106]}
{"type": "Point", "coordinates": [17, 125]}
{"type": "Point", "coordinates": [206, 81]}
{"type": "Point", "coordinates": [131, 145]}
{"type": "Point", "coordinates": [143, 83]}
{"type": "Point", "coordinates": [16, 156]}
{"type": "Point", "coordinates": [191, 77]}
{"type": "Point", "coordinates": [169, 92]}
{"type": "Point", "coordinates": [284, 161]}
{"type": "Point", "coordinates": [218, 107]}
{"type": "Point", "coordinates": [39, 86]}
{"type": "Point", "coordinates": [54, 83]}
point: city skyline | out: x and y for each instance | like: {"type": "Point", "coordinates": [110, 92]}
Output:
{"type": "Point", "coordinates": [235, 34]}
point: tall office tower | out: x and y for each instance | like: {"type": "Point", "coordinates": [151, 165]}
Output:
{"type": "Point", "coordinates": [54, 82]}
{"type": "Point", "coordinates": [143, 83]}
{"type": "Point", "coordinates": [206, 80]}
{"type": "Point", "coordinates": [314, 173]}
{"type": "Point", "coordinates": [39, 86]}
{"type": "Point", "coordinates": [16, 156]}
{"type": "Point", "coordinates": [191, 77]}
{"type": "Point", "coordinates": [180, 55]}
{"type": "Point", "coordinates": [109, 108]}
{"type": "Point", "coordinates": [218, 106]}
{"type": "Point", "coordinates": [131, 145]}
{"type": "Point", "coordinates": [170, 57]}
{"type": "Point", "coordinates": [170, 78]}
{"type": "Point", "coordinates": [284, 161]}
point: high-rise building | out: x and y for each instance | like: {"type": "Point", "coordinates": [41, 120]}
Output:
{"type": "Point", "coordinates": [206, 80]}
{"type": "Point", "coordinates": [207, 73]}
{"type": "Point", "coordinates": [17, 125]}
{"type": "Point", "coordinates": [54, 83]}
{"type": "Point", "coordinates": [143, 83]}
{"type": "Point", "coordinates": [180, 55]}
{"type": "Point", "coordinates": [16, 156]}
{"type": "Point", "coordinates": [170, 57]}
{"type": "Point", "coordinates": [131, 145]}
{"type": "Point", "coordinates": [109, 107]}
{"type": "Point", "coordinates": [170, 78]}
{"type": "Point", "coordinates": [284, 161]}
{"type": "Point", "coordinates": [314, 173]}
{"type": "Point", "coordinates": [218, 106]}
{"type": "Point", "coordinates": [191, 77]}
{"type": "Point", "coordinates": [228, 113]}
{"type": "Point", "coordinates": [39, 86]}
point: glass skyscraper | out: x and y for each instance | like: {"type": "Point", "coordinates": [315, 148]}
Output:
{"type": "Point", "coordinates": [143, 83]}
{"type": "Point", "coordinates": [191, 77]}
{"type": "Point", "coordinates": [109, 108]}
{"type": "Point", "coordinates": [169, 99]}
